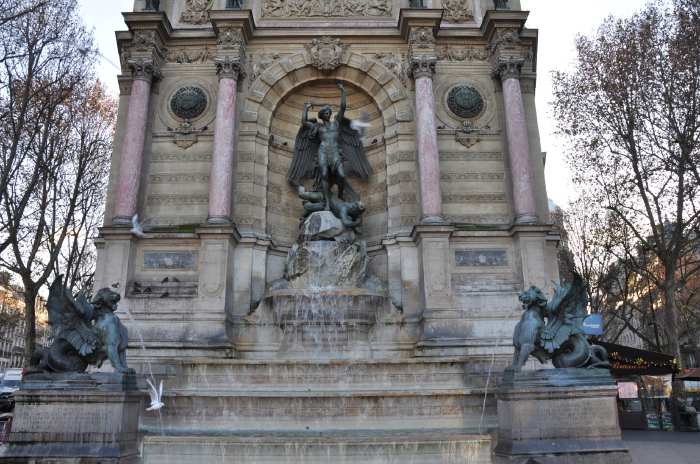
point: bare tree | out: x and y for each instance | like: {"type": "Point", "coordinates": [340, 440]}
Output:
{"type": "Point", "coordinates": [631, 111]}
{"type": "Point", "coordinates": [55, 135]}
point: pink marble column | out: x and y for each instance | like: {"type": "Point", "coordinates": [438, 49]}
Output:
{"type": "Point", "coordinates": [518, 145]}
{"type": "Point", "coordinates": [221, 177]}
{"type": "Point", "coordinates": [131, 156]}
{"type": "Point", "coordinates": [426, 142]}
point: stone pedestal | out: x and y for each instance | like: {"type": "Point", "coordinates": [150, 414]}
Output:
{"type": "Point", "coordinates": [81, 418]}
{"type": "Point", "coordinates": [559, 416]}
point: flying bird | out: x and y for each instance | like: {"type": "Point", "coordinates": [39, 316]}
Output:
{"type": "Point", "coordinates": [156, 396]}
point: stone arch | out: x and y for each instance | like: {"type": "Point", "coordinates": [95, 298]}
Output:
{"type": "Point", "coordinates": [282, 78]}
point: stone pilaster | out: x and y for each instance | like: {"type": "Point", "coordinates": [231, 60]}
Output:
{"type": "Point", "coordinates": [422, 58]}
{"type": "Point", "coordinates": [143, 60]}
{"type": "Point", "coordinates": [229, 66]}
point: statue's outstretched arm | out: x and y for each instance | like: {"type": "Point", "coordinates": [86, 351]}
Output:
{"type": "Point", "coordinates": [343, 102]}
{"type": "Point", "coordinates": [305, 116]}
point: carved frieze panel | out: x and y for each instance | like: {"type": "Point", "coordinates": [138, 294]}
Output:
{"type": "Point", "coordinates": [461, 53]}
{"type": "Point", "coordinates": [458, 10]}
{"type": "Point", "coordinates": [325, 8]}
{"type": "Point", "coordinates": [396, 63]}
{"type": "Point", "coordinates": [196, 12]}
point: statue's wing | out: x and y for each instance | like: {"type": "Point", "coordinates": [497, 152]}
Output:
{"type": "Point", "coordinates": [70, 319]}
{"type": "Point", "coordinates": [305, 160]}
{"type": "Point", "coordinates": [566, 311]}
{"type": "Point", "coordinates": [356, 162]}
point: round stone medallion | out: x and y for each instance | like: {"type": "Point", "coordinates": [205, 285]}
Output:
{"type": "Point", "coordinates": [465, 101]}
{"type": "Point", "coordinates": [188, 102]}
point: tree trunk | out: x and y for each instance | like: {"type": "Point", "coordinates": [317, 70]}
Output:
{"type": "Point", "coordinates": [671, 320]}
{"type": "Point", "coordinates": [30, 322]}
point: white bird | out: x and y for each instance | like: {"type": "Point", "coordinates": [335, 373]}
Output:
{"type": "Point", "coordinates": [156, 396]}
{"type": "Point", "coordinates": [359, 125]}
{"type": "Point", "coordinates": [136, 227]}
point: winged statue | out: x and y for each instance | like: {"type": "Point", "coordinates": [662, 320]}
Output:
{"type": "Point", "coordinates": [84, 332]}
{"type": "Point", "coordinates": [554, 329]}
{"type": "Point", "coordinates": [328, 151]}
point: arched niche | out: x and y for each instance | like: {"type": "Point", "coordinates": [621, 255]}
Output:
{"type": "Point", "coordinates": [284, 207]}
{"type": "Point", "coordinates": [282, 82]}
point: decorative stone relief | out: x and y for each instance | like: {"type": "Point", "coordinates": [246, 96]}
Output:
{"type": "Point", "coordinates": [326, 53]}
{"type": "Point", "coordinates": [188, 102]}
{"type": "Point", "coordinates": [196, 12]}
{"type": "Point", "coordinates": [230, 38]}
{"type": "Point", "coordinates": [469, 135]}
{"type": "Point", "coordinates": [259, 63]}
{"type": "Point", "coordinates": [395, 63]}
{"type": "Point", "coordinates": [421, 38]}
{"type": "Point", "coordinates": [188, 56]}
{"type": "Point", "coordinates": [325, 8]}
{"type": "Point", "coordinates": [186, 134]}
{"type": "Point", "coordinates": [457, 10]}
{"type": "Point", "coordinates": [461, 53]}
{"type": "Point", "coordinates": [465, 101]}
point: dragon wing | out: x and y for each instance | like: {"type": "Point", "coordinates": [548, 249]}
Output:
{"type": "Point", "coordinates": [305, 160]}
{"type": "Point", "coordinates": [70, 319]}
{"type": "Point", "coordinates": [566, 312]}
{"type": "Point", "coordinates": [356, 162]}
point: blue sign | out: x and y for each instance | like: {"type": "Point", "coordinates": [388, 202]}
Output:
{"type": "Point", "coordinates": [593, 324]}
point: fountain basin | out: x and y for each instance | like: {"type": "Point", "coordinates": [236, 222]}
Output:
{"type": "Point", "coordinates": [325, 323]}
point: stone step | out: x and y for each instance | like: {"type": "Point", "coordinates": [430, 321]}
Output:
{"type": "Point", "coordinates": [230, 411]}
{"type": "Point", "coordinates": [233, 375]}
{"type": "Point", "coordinates": [436, 446]}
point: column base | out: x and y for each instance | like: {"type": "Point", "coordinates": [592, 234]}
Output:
{"type": "Point", "coordinates": [219, 221]}
{"type": "Point", "coordinates": [526, 218]}
{"type": "Point", "coordinates": [433, 220]}
{"type": "Point", "coordinates": [121, 221]}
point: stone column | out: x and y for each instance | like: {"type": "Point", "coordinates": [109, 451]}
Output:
{"type": "Point", "coordinates": [426, 142]}
{"type": "Point", "coordinates": [522, 176]}
{"type": "Point", "coordinates": [221, 178]}
{"type": "Point", "coordinates": [131, 157]}
{"type": "Point", "coordinates": [423, 58]}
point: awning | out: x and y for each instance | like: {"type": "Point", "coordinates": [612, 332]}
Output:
{"type": "Point", "coordinates": [625, 360]}
{"type": "Point", "coordinates": [689, 374]}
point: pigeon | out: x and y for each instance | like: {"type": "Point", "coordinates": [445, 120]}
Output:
{"type": "Point", "coordinates": [156, 396]}
{"type": "Point", "coordinates": [175, 279]}
{"type": "Point", "coordinates": [164, 280]}
{"type": "Point", "coordinates": [136, 227]}
{"type": "Point", "coordinates": [115, 285]}
{"type": "Point", "coordinates": [165, 295]}
{"type": "Point", "coordinates": [137, 287]}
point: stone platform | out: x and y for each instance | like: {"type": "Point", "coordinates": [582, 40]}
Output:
{"type": "Point", "coordinates": [421, 411]}
{"type": "Point", "coordinates": [75, 418]}
{"type": "Point", "coordinates": [559, 416]}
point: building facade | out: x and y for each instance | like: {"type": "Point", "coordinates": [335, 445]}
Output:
{"type": "Point", "coordinates": [211, 99]}
{"type": "Point", "coordinates": [12, 325]}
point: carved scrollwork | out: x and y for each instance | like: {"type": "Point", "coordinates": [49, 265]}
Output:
{"type": "Point", "coordinates": [227, 67]}
{"type": "Point", "coordinates": [508, 68]}
{"type": "Point", "coordinates": [326, 53]}
{"type": "Point", "coordinates": [395, 63]}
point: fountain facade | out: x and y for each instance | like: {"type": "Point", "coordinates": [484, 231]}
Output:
{"type": "Point", "coordinates": [310, 296]}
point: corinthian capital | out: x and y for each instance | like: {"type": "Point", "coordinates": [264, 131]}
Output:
{"type": "Point", "coordinates": [423, 66]}
{"type": "Point", "coordinates": [229, 67]}
{"type": "Point", "coordinates": [143, 69]}
{"type": "Point", "coordinates": [508, 68]}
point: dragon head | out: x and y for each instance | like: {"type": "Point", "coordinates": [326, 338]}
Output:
{"type": "Point", "coordinates": [106, 298]}
{"type": "Point", "coordinates": [533, 296]}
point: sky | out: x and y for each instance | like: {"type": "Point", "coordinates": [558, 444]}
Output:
{"type": "Point", "coordinates": [558, 21]}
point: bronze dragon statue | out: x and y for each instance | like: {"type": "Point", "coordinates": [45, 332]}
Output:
{"type": "Point", "coordinates": [554, 329]}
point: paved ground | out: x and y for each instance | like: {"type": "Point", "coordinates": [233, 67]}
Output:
{"type": "Point", "coordinates": [663, 447]}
